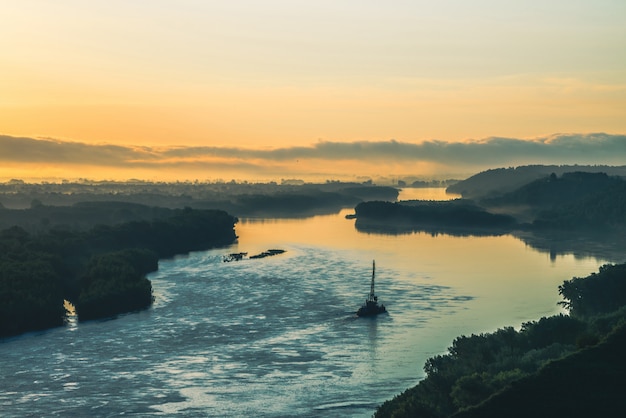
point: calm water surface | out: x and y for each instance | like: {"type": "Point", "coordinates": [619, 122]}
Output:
{"type": "Point", "coordinates": [277, 336]}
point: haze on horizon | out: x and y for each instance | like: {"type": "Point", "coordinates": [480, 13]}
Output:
{"type": "Point", "coordinates": [295, 89]}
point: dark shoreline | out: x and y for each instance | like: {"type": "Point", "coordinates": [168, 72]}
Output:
{"type": "Point", "coordinates": [102, 271]}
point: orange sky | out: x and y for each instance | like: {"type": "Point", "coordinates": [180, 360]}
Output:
{"type": "Point", "coordinates": [267, 75]}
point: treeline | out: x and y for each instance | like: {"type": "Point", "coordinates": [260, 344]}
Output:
{"type": "Point", "coordinates": [499, 181]}
{"type": "Point", "coordinates": [293, 203]}
{"type": "Point", "coordinates": [420, 214]}
{"type": "Point", "coordinates": [573, 200]}
{"type": "Point", "coordinates": [570, 365]}
{"type": "Point", "coordinates": [583, 201]}
{"type": "Point", "coordinates": [41, 217]}
{"type": "Point", "coordinates": [551, 190]}
{"type": "Point", "coordinates": [240, 199]}
{"type": "Point", "coordinates": [101, 271]}
{"type": "Point", "coordinates": [602, 207]}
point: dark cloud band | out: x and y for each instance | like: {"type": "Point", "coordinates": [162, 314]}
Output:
{"type": "Point", "coordinates": [596, 148]}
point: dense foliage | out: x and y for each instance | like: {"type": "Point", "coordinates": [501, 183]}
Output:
{"type": "Point", "coordinates": [598, 293]}
{"type": "Point", "coordinates": [40, 218]}
{"type": "Point", "coordinates": [603, 205]}
{"type": "Point", "coordinates": [553, 190]}
{"type": "Point", "coordinates": [114, 283]}
{"type": "Point", "coordinates": [31, 297]}
{"type": "Point", "coordinates": [303, 202]}
{"type": "Point", "coordinates": [38, 207]}
{"type": "Point", "coordinates": [574, 200]}
{"type": "Point", "coordinates": [499, 181]}
{"type": "Point", "coordinates": [478, 367]}
{"type": "Point", "coordinates": [456, 213]}
{"type": "Point", "coordinates": [101, 271]}
{"type": "Point", "coordinates": [587, 383]}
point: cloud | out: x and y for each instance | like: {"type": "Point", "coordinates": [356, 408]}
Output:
{"type": "Point", "coordinates": [597, 148]}
{"type": "Point", "coordinates": [581, 148]}
{"type": "Point", "coordinates": [31, 150]}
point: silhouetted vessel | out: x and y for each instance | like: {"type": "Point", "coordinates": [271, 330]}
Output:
{"type": "Point", "coordinates": [371, 306]}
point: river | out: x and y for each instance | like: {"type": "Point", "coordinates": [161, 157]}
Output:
{"type": "Point", "coordinates": [277, 336]}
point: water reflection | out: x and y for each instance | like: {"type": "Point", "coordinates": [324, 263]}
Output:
{"type": "Point", "coordinates": [582, 244]}
{"type": "Point", "coordinates": [604, 244]}
{"type": "Point", "coordinates": [607, 245]}
{"type": "Point", "coordinates": [372, 339]}
{"type": "Point", "coordinates": [71, 318]}
{"type": "Point", "coordinates": [369, 227]}
{"type": "Point", "coordinates": [426, 193]}
{"type": "Point", "coordinates": [278, 336]}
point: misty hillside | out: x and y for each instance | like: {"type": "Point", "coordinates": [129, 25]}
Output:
{"type": "Point", "coordinates": [240, 199]}
{"type": "Point", "coordinates": [553, 190]}
{"type": "Point", "coordinates": [572, 200]}
{"type": "Point", "coordinates": [601, 208]}
{"type": "Point", "coordinates": [496, 182]}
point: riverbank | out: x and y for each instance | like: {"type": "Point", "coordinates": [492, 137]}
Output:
{"type": "Point", "coordinates": [570, 364]}
{"type": "Point", "coordinates": [101, 271]}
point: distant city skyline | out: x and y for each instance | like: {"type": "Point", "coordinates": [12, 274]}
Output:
{"type": "Point", "coordinates": [280, 89]}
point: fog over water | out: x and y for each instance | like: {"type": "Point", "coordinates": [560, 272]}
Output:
{"type": "Point", "coordinates": [278, 336]}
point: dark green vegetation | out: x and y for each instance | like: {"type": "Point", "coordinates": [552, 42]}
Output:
{"type": "Point", "coordinates": [574, 200]}
{"type": "Point", "coordinates": [80, 216]}
{"type": "Point", "coordinates": [240, 199]}
{"type": "Point", "coordinates": [92, 243]}
{"type": "Point", "coordinates": [101, 270]}
{"type": "Point", "coordinates": [584, 201]}
{"type": "Point", "coordinates": [558, 366]}
{"type": "Point", "coordinates": [499, 181]}
{"type": "Point", "coordinates": [425, 215]}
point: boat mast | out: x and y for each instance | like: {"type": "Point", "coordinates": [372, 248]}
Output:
{"type": "Point", "coordinates": [372, 296]}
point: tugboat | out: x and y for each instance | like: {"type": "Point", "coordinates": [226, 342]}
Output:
{"type": "Point", "coordinates": [371, 306]}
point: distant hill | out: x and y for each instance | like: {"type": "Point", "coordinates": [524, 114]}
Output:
{"type": "Point", "coordinates": [563, 365]}
{"type": "Point", "coordinates": [552, 190]}
{"type": "Point", "coordinates": [583, 201]}
{"type": "Point", "coordinates": [573, 200]}
{"type": "Point", "coordinates": [496, 182]}
{"type": "Point", "coordinates": [606, 208]}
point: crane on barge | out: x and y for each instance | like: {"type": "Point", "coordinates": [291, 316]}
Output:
{"type": "Point", "coordinates": [371, 306]}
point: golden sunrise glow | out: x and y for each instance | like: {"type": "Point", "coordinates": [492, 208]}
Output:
{"type": "Point", "coordinates": [283, 74]}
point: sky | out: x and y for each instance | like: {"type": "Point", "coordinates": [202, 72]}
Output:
{"type": "Point", "coordinates": [192, 89]}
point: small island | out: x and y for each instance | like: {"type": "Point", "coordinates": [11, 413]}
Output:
{"type": "Point", "coordinates": [455, 215]}
{"type": "Point", "coordinates": [242, 255]}
{"type": "Point", "coordinates": [586, 202]}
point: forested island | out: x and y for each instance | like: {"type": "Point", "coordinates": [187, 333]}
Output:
{"type": "Point", "coordinates": [457, 215]}
{"type": "Point", "coordinates": [569, 365]}
{"type": "Point", "coordinates": [564, 365]}
{"type": "Point", "coordinates": [582, 201]}
{"type": "Point", "coordinates": [101, 271]}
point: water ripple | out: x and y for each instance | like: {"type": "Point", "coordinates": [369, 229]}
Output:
{"type": "Point", "coordinates": [272, 337]}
